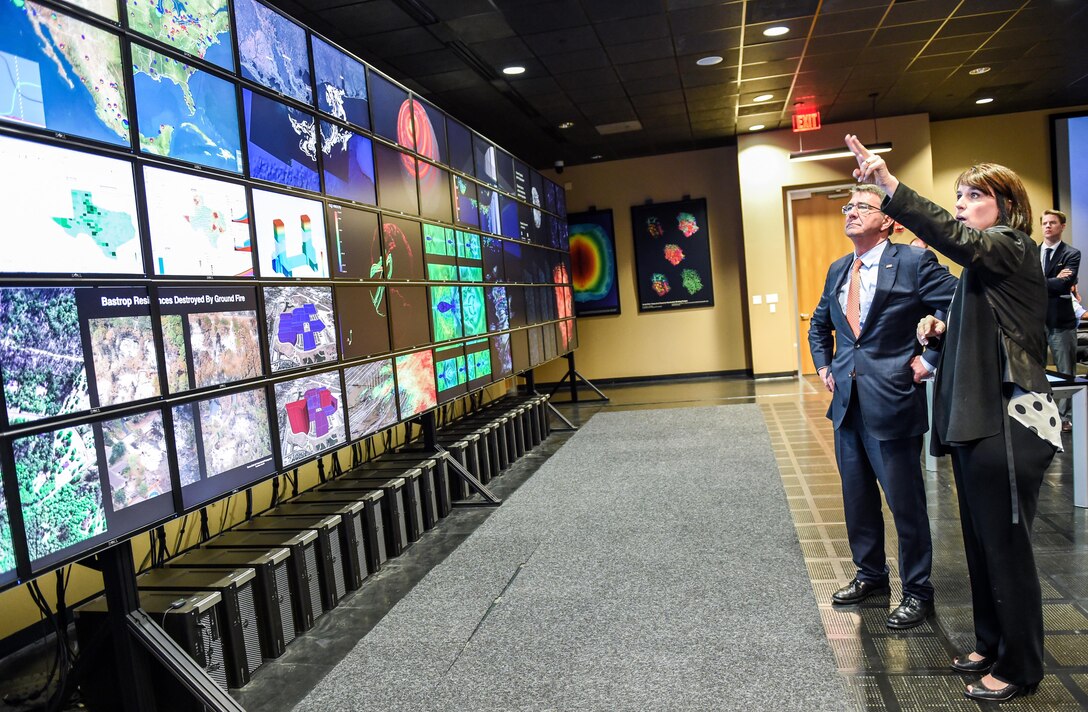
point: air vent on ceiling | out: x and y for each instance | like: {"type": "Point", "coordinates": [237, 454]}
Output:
{"type": "Point", "coordinates": [618, 127]}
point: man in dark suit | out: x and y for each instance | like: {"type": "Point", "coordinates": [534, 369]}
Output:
{"type": "Point", "coordinates": [873, 298]}
{"type": "Point", "coordinates": [1061, 262]}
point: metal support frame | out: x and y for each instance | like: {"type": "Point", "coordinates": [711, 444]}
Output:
{"type": "Point", "coordinates": [574, 377]}
{"type": "Point", "coordinates": [530, 387]}
{"type": "Point", "coordinates": [430, 442]}
{"type": "Point", "coordinates": [134, 633]}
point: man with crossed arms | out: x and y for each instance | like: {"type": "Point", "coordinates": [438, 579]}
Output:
{"type": "Point", "coordinates": [872, 300]}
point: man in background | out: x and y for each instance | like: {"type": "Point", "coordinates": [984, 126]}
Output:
{"type": "Point", "coordinates": [1060, 262]}
{"type": "Point", "coordinates": [872, 300]}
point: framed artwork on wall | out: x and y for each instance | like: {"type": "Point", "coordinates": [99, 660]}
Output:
{"type": "Point", "coordinates": [672, 255]}
{"type": "Point", "coordinates": [593, 263]}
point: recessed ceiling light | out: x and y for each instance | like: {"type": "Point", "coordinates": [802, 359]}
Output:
{"type": "Point", "coordinates": [757, 127]}
{"type": "Point", "coordinates": [984, 100]}
{"type": "Point", "coordinates": [979, 70]}
{"type": "Point", "coordinates": [763, 97]}
{"type": "Point", "coordinates": [513, 70]}
{"type": "Point", "coordinates": [709, 61]}
{"type": "Point", "coordinates": [776, 31]}
{"type": "Point", "coordinates": [566, 125]}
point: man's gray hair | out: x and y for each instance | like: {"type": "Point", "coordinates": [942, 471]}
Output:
{"type": "Point", "coordinates": [870, 188]}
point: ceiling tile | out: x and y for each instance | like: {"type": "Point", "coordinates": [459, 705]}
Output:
{"type": "Point", "coordinates": [652, 85]}
{"type": "Point", "coordinates": [833, 23]}
{"type": "Point", "coordinates": [774, 10]}
{"type": "Point", "coordinates": [773, 51]}
{"type": "Point", "coordinates": [395, 43]}
{"type": "Point", "coordinates": [368, 18]}
{"type": "Point", "coordinates": [638, 71]}
{"type": "Point", "coordinates": [546, 16]}
{"type": "Point", "coordinates": [920, 11]}
{"type": "Point", "coordinates": [567, 40]}
{"type": "Point", "coordinates": [635, 29]}
{"type": "Point", "coordinates": [719, 42]}
{"type": "Point", "coordinates": [641, 51]}
{"type": "Point", "coordinates": [905, 33]}
{"type": "Point", "coordinates": [480, 28]}
{"type": "Point", "coordinates": [705, 19]}
{"type": "Point", "coordinates": [609, 10]}
{"type": "Point", "coordinates": [576, 61]}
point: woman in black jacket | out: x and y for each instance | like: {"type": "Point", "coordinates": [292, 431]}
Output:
{"type": "Point", "coordinates": [993, 411]}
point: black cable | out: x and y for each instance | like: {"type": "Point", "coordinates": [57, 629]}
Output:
{"type": "Point", "coordinates": [205, 533]}
{"type": "Point", "coordinates": [275, 493]}
{"type": "Point", "coordinates": [249, 504]}
{"type": "Point", "coordinates": [226, 512]}
{"type": "Point", "coordinates": [321, 469]}
{"type": "Point", "coordinates": [46, 615]}
{"type": "Point", "coordinates": [164, 551]}
{"type": "Point", "coordinates": [181, 533]}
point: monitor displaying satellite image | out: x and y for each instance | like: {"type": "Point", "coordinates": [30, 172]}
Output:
{"type": "Point", "coordinates": [209, 336]}
{"type": "Point", "coordinates": [272, 50]}
{"type": "Point", "coordinates": [185, 113]}
{"type": "Point", "coordinates": [222, 444]}
{"type": "Point", "coordinates": [290, 235]}
{"type": "Point", "coordinates": [348, 164]}
{"type": "Point", "coordinates": [61, 74]}
{"type": "Point", "coordinates": [301, 328]}
{"type": "Point", "coordinates": [79, 207]}
{"type": "Point", "coordinates": [310, 416]}
{"type": "Point", "coordinates": [117, 323]}
{"type": "Point", "coordinates": [341, 84]}
{"type": "Point", "coordinates": [41, 353]}
{"type": "Point", "coordinates": [199, 226]}
{"type": "Point", "coordinates": [282, 142]}
{"type": "Point", "coordinates": [371, 398]}
{"type": "Point", "coordinates": [200, 28]}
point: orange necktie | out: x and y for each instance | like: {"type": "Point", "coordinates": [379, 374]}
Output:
{"type": "Point", "coordinates": [853, 299]}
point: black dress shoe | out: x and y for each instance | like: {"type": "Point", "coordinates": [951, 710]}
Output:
{"type": "Point", "coordinates": [978, 691]}
{"type": "Point", "coordinates": [857, 591]}
{"type": "Point", "coordinates": [964, 663]}
{"type": "Point", "coordinates": [910, 612]}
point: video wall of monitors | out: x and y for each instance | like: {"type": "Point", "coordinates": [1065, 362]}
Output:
{"type": "Point", "coordinates": [236, 247]}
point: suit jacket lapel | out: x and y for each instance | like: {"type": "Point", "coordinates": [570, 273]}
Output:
{"type": "Point", "coordinates": [1055, 260]}
{"type": "Point", "coordinates": [840, 279]}
{"type": "Point", "coordinates": [885, 277]}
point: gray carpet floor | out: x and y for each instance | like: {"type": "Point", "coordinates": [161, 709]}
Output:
{"type": "Point", "coordinates": [651, 563]}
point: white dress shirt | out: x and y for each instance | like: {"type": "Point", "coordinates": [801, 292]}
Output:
{"type": "Point", "coordinates": [870, 268]}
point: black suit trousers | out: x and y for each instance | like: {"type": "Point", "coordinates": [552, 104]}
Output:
{"type": "Point", "coordinates": [866, 466]}
{"type": "Point", "coordinates": [1005, 593]}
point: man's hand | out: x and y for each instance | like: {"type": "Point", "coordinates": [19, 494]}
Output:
{"type": "Point", "coordinates": [920, 369]}
{"type": "Point", "coordinates": [930, 327]}
{"type": "Point", "coordinates": [1065, 273]}
{"type": "Point", "coordinates": [827, 378]}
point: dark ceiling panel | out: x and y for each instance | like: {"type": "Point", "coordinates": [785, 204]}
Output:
{"type": "Point", "coordinates": [368, 18]}
{"type": "Point", "coordinates": [450, 9]}
{"type": "Point", "coordinates": [395, 43]}
{"type": "Point", "coordinates": [773, 51]}
{"type": "Point", "coordinates": [705, 19]}
{"type": "Point", "coordinates": [774, 10]}
{"type": "Point", "coordinates": [899, 34]}
{"type": "Point", "coordinates": [546, 16]}
{"type": "Point", "coordinates": [719, 42]}
{"type": "Point", "coordinates": [834, 23]}
{"type": "Point", "coordinates": [920, 11]}
{"type": "Point", "coordinates": [435, 62]}
{"type": "Point", "coordinates": [641, 51]}
{"type": "Point", "coordinates": [480, 28]}
{"type": "Point", "coordinates": [652, 85]}
{"type": "Point", "coordinates": [566, 40]}
{"type": "Point", "coordinates": [575, 61]}
{"type": "Point", "coordinates": [637, 71]}
{"type": "Point", "coordinates": [635, 29]}
{"type": "Point", "coordinates": [609, 10]}
{"type": "Point", "coordinates": [974, 24]}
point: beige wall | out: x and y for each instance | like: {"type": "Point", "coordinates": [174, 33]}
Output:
{"type": "Point", "coordinates": [1020, 141]}
{"type": "Point", "coordinates": [767, 175]}
{"type": "Point", "coordinates": [700, 340]}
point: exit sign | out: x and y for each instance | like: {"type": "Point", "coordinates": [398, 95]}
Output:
{"type": "Point", "coordinates": [806, 122]}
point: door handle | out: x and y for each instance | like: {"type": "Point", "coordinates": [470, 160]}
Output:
{"type": "Point", "coordinates": [805, 317]}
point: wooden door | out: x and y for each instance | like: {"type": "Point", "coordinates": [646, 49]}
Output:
{"type": "Point", "coordinates": [819, 240]}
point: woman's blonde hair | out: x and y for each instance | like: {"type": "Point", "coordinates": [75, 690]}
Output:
{"type": "Point", "coordinates": [1008, 190]}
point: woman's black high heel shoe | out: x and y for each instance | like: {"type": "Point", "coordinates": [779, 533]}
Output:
{"type": "Point", "coordinates": [964, 663]}
{"type": "Point", "coordinates": [978, 691]}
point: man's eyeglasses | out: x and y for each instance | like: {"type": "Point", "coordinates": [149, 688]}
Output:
{"type": "Point", "coordinates": [862, 208]}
